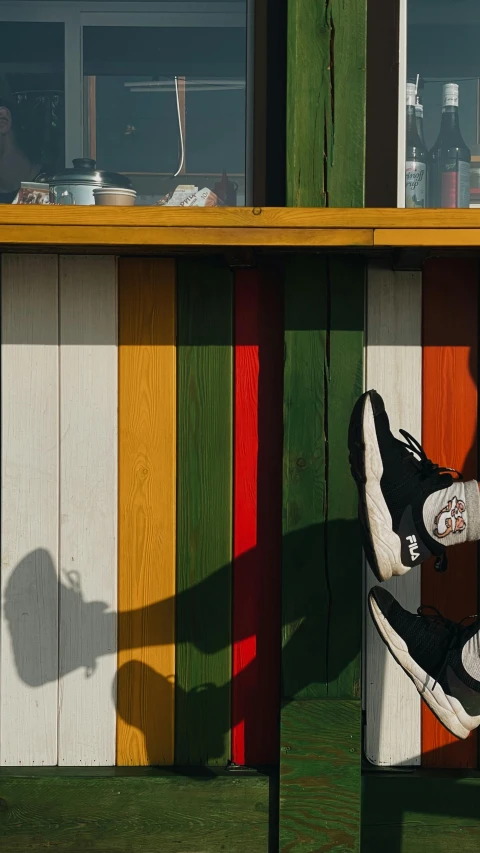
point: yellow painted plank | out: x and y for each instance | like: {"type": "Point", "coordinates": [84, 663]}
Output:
{"type": "Point", "coordinates": [130, 235]}
{"type": "Point", "coordinates": [235, 217]}
{"type": "Point", "coordinates": [427, 237]}
{"type": "Point", "coordinates": [147, 506]}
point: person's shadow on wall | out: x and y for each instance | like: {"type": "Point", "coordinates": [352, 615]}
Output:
{"type": "Point", "coordinates": [31, 611]}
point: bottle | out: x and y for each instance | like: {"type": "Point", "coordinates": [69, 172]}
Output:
{"type": "Point", "coordinates": [450, 157]}
{"type": "Point", "coordinates": [419, 117]}
{"type": "Point", "coordinates": [416, 160]}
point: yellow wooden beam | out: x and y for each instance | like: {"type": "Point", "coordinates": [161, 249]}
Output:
{"type": "Point", "coordinates": [57, 226]}
{"type": "Point", "coordinates": [121, 235]}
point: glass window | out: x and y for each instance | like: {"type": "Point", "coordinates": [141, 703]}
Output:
{"type": "Point", "coordinates": [443, 104]}
{"type": "Point", "coordinates": [32, 102]}
{"type": "Point", "coordinates": [165, 106]}
{"type": "Point", "coordinates": [124, 102]}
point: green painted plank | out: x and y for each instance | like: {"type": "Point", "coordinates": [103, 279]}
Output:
{"type": "Point", "coordinates": [320, 776]}
{"type": "Point", "coordinates": [204, 514]}
{"type": "Point", "coordinates": [326, 103]}
{"type": "Point", "coordinates": [421, 799]}
{"type": "Point", "coordinates": [343, 545]}
{"type": "Point", "coordinates": [420, 812]}
{"type": "Point", "coordinates": [171, 815]}
{"type": "Point", "coordinates": [304, 591]}
{"type": "Point", "coordinates": [347, 119]}
{"type": "Point", "coordinates": [424, 839]}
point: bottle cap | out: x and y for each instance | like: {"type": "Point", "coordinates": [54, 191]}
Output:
{"type": "Point", "coordinates": [419, 109]}
{"type": "Point", "coordinates": [411, 94]}
{"type": "Point", "coordinates": [450, 95]}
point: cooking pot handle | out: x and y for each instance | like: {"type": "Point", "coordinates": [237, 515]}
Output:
{"type": "Point", "coordinates": [67, 198]}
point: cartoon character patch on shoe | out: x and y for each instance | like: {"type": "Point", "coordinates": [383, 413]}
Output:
{"type": "Point", "coordinates": [450, 519]}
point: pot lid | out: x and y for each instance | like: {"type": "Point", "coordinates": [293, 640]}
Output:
{"type": "Point", "coordinates": [85, 172]}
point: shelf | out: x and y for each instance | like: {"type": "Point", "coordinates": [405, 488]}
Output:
{"type": "Point", "coordinates": [28, 226]}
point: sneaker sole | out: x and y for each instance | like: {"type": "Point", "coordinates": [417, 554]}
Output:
{"type": "Point", "coordinates": [433, 694]}
{"type": "Point", "coordinates": [382, 545]}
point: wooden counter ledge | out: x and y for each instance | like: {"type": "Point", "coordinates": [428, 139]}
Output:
{"type": "Point", "coordinates": [23, 225]}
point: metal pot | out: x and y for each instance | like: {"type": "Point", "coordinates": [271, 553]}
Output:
{"type": "Point", "coordinates": [76, 186]}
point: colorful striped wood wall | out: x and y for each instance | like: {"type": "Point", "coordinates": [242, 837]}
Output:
{"type": "Point", "coordinates": [422, 355]}
{"type": "Point", "coordinates": [154, 413]}
{"type": "Point", "coordinates": [141, 511]}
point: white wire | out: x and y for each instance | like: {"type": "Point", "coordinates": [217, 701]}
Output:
{"type": "Point", "coordinates": [182, 142]}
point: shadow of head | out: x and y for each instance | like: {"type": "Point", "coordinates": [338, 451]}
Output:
{"type": "Point", "coordinates": [43, 646]}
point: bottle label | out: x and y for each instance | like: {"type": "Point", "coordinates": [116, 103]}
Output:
{"type": "Point", "coordinates": [450, 95]}
{"type": "Point", "coordinates": [455, 184]}
{"type": "Point", "coordinates": [415, 184]}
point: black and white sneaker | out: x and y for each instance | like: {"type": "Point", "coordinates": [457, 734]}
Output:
{"type": "Point", "coordinates": [429, 648]}
{"type": "Point", "coordinates": [394, 478]}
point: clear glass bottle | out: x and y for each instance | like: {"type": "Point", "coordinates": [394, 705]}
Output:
{"type": "Point", "coordinates": [450, 157]}
{"type": "Point", "coordinates": [416, 157]}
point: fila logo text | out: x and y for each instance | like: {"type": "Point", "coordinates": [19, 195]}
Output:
{"type": "Point", "coordinates": [413, 548]}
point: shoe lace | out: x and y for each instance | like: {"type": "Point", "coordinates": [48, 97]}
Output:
{"type": "Point", "coordinates": [427, 467]}
{"type": "Point", "coordinates": [432, 617]}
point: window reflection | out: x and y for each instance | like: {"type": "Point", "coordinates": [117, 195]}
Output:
{"type": "Point", "coordinates": [32, 101]}
{"type": "Point", "coordinates": [161, 114]}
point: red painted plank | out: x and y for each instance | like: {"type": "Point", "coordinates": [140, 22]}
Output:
{"type": "Point", "coordinates": [257, 517]}
{"type": "Point", "coordinates": [450, 406]}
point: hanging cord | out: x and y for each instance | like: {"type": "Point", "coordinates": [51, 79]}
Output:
{"type": "Point", "coordinates": [180, 130]}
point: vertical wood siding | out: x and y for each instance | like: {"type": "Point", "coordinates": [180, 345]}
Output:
{"type": "Point", "coordinates": [258, 380]}
{"type": "Point", "coordinates": [322, 564]}
{"type": "Point", "coordinates": [88, 510]}
{"type": "Point", "coordinates": [147, 511]}
{"type": "Point", "coordinates": [29, 510]}
{"type": "Point", "coordinates": [394, 369]}
{"type": "Point", "coordinates": [343, 553]}
{"type": "Point", "coordinates": [204, 513]}
{"type": "Point", "coordinates": [450, 407]}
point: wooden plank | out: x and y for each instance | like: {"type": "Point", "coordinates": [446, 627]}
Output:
{"type": "Point", "coordinates": [119, 236]}
{"type": "Point", "coordinates": [433, 838]}
{"type": "Point", "coordinates": [172, 814]}
{"type": "Point", "coordinates": [394, 369]}
{"type": "Point", "coordinates": [326, 95]}
{"type": "Point", "coordinates": [346, 283]}
{"type": "Point", "coordinates": [320, 776]}
{"type": "Point", "coordinates": [147, 510]}
{"type": "Point", "coordinates": [240, 217]}
{"type": "Point", "coordinates": [88, 509]}
{"type": "Point", "coordinates": [420, 812]}
{"type": "Point", "coordinates": [204, 513]}
{"type": "Point", "coordinates": [30, 510]}
{"type": "Point", "coordinates": [258, 439]}
{"type": "Point", "coordinates": [304, 586]}
{"type": "Point", "coordinates": [442, 237]}
{"type": "Point", "coordinates": [450, 406]}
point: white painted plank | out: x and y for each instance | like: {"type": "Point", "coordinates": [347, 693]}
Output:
{"type": "Point", "coordinates": [394, 369]}
{"type": "Point", "coordinates": [29, 511]}
{"type": "Point", "coordinates": [88, 509]}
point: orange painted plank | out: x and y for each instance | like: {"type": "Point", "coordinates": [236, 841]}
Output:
{"type": "Point", "coordinates": [147, 502]}
{"type": "Point", "coordinates": [450, 405]}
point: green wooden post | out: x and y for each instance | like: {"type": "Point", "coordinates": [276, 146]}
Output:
{"type": "Point", "coordinates": [326, 96]}
{"type": "Point", "coordinates": [320, 760]}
